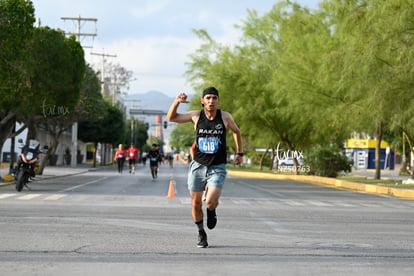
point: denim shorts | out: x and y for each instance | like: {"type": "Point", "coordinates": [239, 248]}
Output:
{"type": "Point", "coordinates": [200, 175]}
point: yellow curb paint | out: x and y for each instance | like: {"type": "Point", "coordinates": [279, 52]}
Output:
{"type": "Point", "coordinates": [326, 181]}
{"type": "Point", "coordinates": [370, 188]}
{"type": "Point", "coordinates": [401, 193]}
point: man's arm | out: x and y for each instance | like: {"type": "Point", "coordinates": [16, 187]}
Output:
{"type": "Point", "coordinates": [231, 124]}
{"type": "Point", "coordinates": [174, 116]}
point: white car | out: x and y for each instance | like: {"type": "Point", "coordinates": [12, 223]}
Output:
{"type": "Point", "coordinates": [289, 162]}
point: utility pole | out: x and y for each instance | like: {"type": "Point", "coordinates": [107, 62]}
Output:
{"type": "Point", "coordinates": [133, 126]}
{"type": "Point", "coordinates": [78, 34]}
{"type": "Point", "coordinates": [103, 56]}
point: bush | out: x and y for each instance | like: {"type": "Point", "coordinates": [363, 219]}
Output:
{"type": "Point", "coordinates": [256, 158]}
{"type": "Point", "coordinates": [327, 161]}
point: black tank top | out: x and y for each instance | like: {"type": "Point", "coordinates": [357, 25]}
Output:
{"type": "Point", "coordinates": [210, 138]}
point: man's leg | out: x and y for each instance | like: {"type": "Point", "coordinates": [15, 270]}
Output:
{"type": "Point", "coordinates": [213, 196]}
{"type": "Point", "coordinates": [205, 193]}
{"type": "Point", "coordinates": [196, 206]}
{"type": "Point", "coordinates": [212, 201]}
{"type": "Point", "coordinates": [216, 175]}
{"type": "Point", "coordinates": [197, 214]}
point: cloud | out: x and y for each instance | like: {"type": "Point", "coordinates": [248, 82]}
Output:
{"type": "Point", "coordinates": [149, 9]}
{"type": "Point", "coordinates": [151, 53]}
{"type": "Point", "coordinates": [151, 38]}
{"type": "Point", "coordinates": [158, 63]}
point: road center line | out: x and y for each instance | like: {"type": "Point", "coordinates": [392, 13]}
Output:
{"type": "Point", "coordinates": [82, 185]}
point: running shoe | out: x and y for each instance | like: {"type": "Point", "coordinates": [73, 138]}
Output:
{"type": "Point", "coordinates": [211, 218]}
{"type": "Point", "coordinates": [202, 239]}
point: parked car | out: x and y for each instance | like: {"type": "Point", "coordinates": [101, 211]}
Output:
{"type": "Point", "coordinates": [289, 162]}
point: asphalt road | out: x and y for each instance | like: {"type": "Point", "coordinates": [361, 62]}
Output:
{"type": "Point", "coordinates": [104, 223]}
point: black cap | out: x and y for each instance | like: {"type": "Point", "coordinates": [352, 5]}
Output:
{"type": "Point", "coordinates": [210, 90]}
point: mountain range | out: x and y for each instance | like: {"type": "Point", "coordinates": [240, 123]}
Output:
{"type": "Point", "coordinates": [155, 100]}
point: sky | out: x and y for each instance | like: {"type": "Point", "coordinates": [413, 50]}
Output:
{"type": "Point", "coordinates": [151, 38]}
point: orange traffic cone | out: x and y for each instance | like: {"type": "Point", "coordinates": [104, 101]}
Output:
{"type": "Point", "coordinates": [171, 192]}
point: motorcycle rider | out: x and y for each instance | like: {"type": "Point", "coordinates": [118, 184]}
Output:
{"type": "Point", "coordinates": [29, 154]}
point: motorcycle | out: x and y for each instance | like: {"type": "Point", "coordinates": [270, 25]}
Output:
{"type": "Point", "coordinates": [24, 171]}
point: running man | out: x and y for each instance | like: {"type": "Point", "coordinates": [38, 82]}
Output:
{"type": "Point", "coordinates": [154, 157]}
{"type": "Point", "coordinates": [210, 156]}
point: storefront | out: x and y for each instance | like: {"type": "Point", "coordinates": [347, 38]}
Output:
{"type": "Point", "coordinates": [362, 153]}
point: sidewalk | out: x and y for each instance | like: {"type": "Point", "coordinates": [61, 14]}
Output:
{"type": "Point", "coordinates": [385, 174]}
{"type": "Point", "coordinates": [51, 171]}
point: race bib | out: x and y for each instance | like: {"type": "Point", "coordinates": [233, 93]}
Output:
{"type": "Point", "coordinates": [208, 145]}
{"type": "Point", "coordinates": [153, 159]}
{"type": "Point", "coordinates": [131, 154]}
{"type": "Point", "coordinates": [120, 156]}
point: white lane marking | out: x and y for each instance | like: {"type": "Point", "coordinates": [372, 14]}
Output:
{"type": "Point", "coordinates": [318, 203]}
{"type": "Point", "coordinates": [83, 185]}
{"type": "Point", "coordinates": [28, 197]}
{"type": "Point", "coordinates": [6, 195]}
{"type": "Point", "coordinates": [185, 200]}
{"type": "Point", "coordinates": [343, 204]}
{"type": "Point", "coordinates": [293, 203]}
{"type": "Point", "coordinates": [277, 227]}
{"type": "Point", "coordinates": [241, 201]}
{"type": "Point", "coordinates": [55, 197]}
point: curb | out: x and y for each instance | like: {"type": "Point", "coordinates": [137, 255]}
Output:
{"type": "Point", "coordinates": [330, 182]}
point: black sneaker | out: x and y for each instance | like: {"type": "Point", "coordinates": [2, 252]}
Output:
{"type": "Point", "coordinates": [202, 239]}
{"type": "Point", "coordinates": [211, 218]}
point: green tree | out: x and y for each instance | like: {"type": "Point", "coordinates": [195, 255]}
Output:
{"type": "Point", "coordinates": [91, 104]}
{"type": "Point", "coordinates": [108, 129]}
{"type": "Point", "coordinates": [255, 78]}
{"type": "Point", "coordinates": [16, 26]}
{"type": "Point", "coordinates": [57, 67]}
{"type": "Point", "coordinates": [90, 107]}
{"type": "Point", "coordinates": [377, 68]}
{"type": "Point", "coordinates": [182, 137]}
{"type": "Point", "coordinates": [136, 133]}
